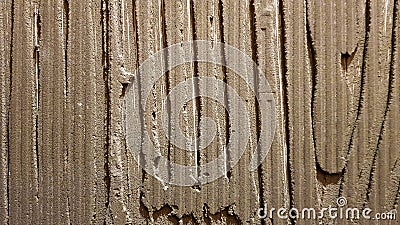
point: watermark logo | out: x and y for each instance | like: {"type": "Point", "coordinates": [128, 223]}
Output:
{"type": "Point", "coordinates": [149, 156]}
{"type": "Point", "coordinates": [341, 201]}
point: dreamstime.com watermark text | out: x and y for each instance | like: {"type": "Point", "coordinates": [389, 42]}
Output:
{"type": "Point", "coordinates": [340, 211]}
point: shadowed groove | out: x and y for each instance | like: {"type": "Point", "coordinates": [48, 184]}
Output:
{"type": "Point", "coordinates": [361, 94]}
{"type": "Point", "coordinates": [66, 12]}
{"type": "Point", "coordinates": [254, 57]}
{"type": "Point", "coordinates": [284, 100]}
{"type": "Point", "coordinates": [9, 108]}
{"type": "Point", "coordinates": [105, 16]}
{"type": "Point", "coordinates": [322, 176]}
{"type": "Point", "coordinates": [388, 102]}
{"type": "Point", "coordinates": [196, 91]}
{"type": "Point", "coordinates": [167, 83]}
{"type": "Point", "coordinates": [225, 80]}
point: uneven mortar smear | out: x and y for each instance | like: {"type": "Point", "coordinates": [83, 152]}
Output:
{"type": "Point", "coordinates": [62, 151]}
{"type": "Point", "coordinates": [273, 173]}
{"type": "Point", "coordinates": [125, 174]}
{"type": "Point", "coordinates": [335, 77]}
{"type": "Point", "coordinates": [238, 21]}
{"type": "Point", "coordinates": [384, 173]}
{"type": "Point", "coordinates": [85, 133]}
{"type": "Point", "coordinates": [167, 215]}
{"type": "Point", "coordinates": [204, 24]}
{"type": "Point", "coordinates": [179, 27]}
{"type": "Point", "coordinates": [53, 191]}
{"type": "Point", "coordinates": [6, 23]}
{"type": "Point", "coordinates": [152, 38]}
{"type": "Point", "coordinates": [370, 52]}
{"type": "Point", "coordinates": [379, 78]}
{"type": "Point", "coordinates": [208, 25]}
{"type": "Point", "coordinates": [297, 81]}
{"type": "Point", "coordinates": [188, 199]}
{"type": "Point", "coordinates": [389, 140]}
{"type": "Point", "coordinates": [120, 33]}
{"type": "Point", "coordinates": [23, 157]}
{"type": "Point", "coordinates": [207, 22]}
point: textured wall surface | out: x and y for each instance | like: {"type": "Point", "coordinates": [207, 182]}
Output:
{"type": "Point", "coordinates": [66, 67]}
